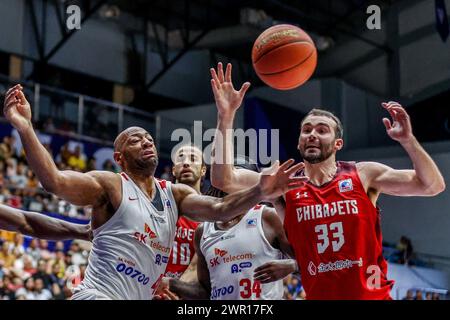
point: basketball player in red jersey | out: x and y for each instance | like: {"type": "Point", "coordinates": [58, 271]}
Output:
{"type": "Point", "coordinates": [332, 220]}
{"type": "Point", "coordinates": [189, 169]}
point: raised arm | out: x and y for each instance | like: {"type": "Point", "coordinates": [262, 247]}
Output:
{"type": "Point", "coordinates": [274, 182]}
{"type": "Point", "coordinates": [424, 180]}
{"type": "Point", "coordinates": [228, 100]}
{"type": "Point", "coordinates": [41, 226]}
{"type": "Point", "coordinates": [78, 188]}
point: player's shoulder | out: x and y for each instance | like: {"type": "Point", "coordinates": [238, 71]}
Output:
{"type": "Point", "coordinates": [371, 167]}
{"type": "Point", "coordinates": [104, 177]}
{"type": "Point", "coordinates": [269, 215]}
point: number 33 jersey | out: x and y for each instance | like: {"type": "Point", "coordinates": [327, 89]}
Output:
{"type": "Point", "coordinates": [336, 235]}
{"type": "Point", "coordinates": [232, 256]}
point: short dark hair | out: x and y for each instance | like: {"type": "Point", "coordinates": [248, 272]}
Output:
{"type": "Point", "coordinates": [338, 131]}
{"type": "Point", "coordinates": [192, 146]}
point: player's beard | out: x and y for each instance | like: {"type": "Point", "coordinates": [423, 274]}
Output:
{"type": "Point", "coordinates": [191, 180]}
{"type": "Point", "coordinates": [326, 150]}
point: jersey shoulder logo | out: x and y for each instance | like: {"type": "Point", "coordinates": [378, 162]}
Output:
{"type": "Point", "coordinates": [251, 222]}
{"type": "Point", "coordinates": [345, 185]}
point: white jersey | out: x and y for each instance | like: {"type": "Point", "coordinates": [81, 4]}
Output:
{"type": "Point", "coordinates": [130, 251]}
{"type": "Point", "coordinates": [232, 256]}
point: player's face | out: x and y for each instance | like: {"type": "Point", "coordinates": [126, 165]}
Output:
{"type": "Point", "coordinates": [317, 140]}
{"type": "Point", "coordinates": [188, 166]}
{"type": "Point", "coordinates": [138, 151]}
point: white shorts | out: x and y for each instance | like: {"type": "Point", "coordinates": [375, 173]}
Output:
{"type": "Point", "coordinates": [89, 294]}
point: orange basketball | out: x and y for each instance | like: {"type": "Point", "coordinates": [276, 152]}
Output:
{"type": "Point", "coordinates": [284, 56]}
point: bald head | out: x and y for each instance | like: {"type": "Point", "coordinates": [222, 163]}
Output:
{"type": "Point", "coordinates": [124, 135]}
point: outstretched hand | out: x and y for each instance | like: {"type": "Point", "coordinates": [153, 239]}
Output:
{"type": "Point", "coordinates": [17, 109]}
{"type": "Point", "coordinates": [400, 128]}
{"type": "Point", "coordinates": [279, 179]}
{"type": "Point", "coordinates": [228, 99]}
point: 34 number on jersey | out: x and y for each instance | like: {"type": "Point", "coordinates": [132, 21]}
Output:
{"type": "Point", "coordinates": [247, 288]}
{"type": "Point", "coordinates": [337, 236]}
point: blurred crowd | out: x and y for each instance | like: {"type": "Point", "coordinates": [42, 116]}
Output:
{"type": "Point", "coordinates": [34, 271]}
{"type": "Point", "coordinates": [413, 294]}
{"type": "Point", "coordinates": [20, 188]}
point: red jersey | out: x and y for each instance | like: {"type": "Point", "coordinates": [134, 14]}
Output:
{"type": "Point", "coordinates": [336, 235]}
{"type": "Point", "coordinates": [183, 248]}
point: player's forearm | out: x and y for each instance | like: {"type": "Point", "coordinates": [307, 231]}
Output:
{"type": "Point", "coordinates": [236, 203]}
{"type": "Point", "coordinates": [223, 152]}
{"type": "Point", "coordinates": [37, 225]}
{"type": "Point", "coordinates": [188, 291]}
{"type": "Point", "coordinates": [44, 227]}
{"type": "Point", "coordinates": [40, 161]}
{"type": "Point", "coordinates": [426, 169]}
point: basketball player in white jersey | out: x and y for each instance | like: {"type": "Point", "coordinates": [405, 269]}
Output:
{"type": "Point", "coordinates": [238, 259]}
{"type": "Point", "coordinates": [134, 215]}
{"type": "Point", "coordinates": [40, 226]}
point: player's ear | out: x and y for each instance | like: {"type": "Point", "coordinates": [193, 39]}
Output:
{"type": "Point", "coordinates": [339, 144]}
{"type": "Point", "coordinates": [118, 158]}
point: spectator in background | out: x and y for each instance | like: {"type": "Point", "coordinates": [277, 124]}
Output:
{"type": "Point", "coordinates": [92, 164]}
{"type": "Point", "coordinates": [77, 160]}
{"type": "Point", "coordinates": [48, 125]}
{"type": "Point", "coordinates": [43, 247]}
{"type": "Point", "coordinates": [57, 293]}
{"type": "Point", "coordinates": [32, 181]}
{"type": "Point", "coordinates": [428, 296]}
{"type": "Point", "coordinates": [419, 295]}
{"type": "Point", "coordinates": [435, 296]}
{"type": "Point", "coordinates": [7, 256]}
{"type": "Point", "coordinates": [42, 273]}
{"type": "Point", "coordinates": [65, 153]}
{"type": "Point", "coordinates": [109, 166]}
{"type": "Point", "coordinates": [405, 250]}
{"type": "Point", "coordinates": [19, 179]}
{"type": "Point", "coordinates": [15, 200]}
{"type": "Point", "coordinates": [40, 292]}
{"type": "Point", "coordinates": [409, 295]}
{"type": "Point", "coordinates": [6, 151]}
{"type": "Point", "coordinates": [27, 292]}
{"type": "Point", "coordinates": [167, 174]}
{"type": "Point", "coordinates": [17, 243]}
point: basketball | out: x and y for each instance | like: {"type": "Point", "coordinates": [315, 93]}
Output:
{"type": "Point", "coordinates": [284, 57]}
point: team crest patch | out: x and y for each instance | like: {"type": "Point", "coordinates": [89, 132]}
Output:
{"type": "Point", "coordinates": [345, 185]}
{"type": "Point", "coordinates": [251, 222]}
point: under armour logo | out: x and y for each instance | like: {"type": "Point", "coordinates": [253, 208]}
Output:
{"type": "Point", "coordinates": [301, 194]}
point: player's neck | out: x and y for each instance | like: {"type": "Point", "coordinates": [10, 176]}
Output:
{"type": "Point", "coordinates": [321, 173]}
{"type": "Point", "coordinates": [145, 182]}
{"type": "Point", "coordinates": [194, 185]}
{"type": "Point", "coordinates": [230, 223]}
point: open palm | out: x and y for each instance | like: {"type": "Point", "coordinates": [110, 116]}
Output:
{"type": "Point", "coordinates": [228, 99]}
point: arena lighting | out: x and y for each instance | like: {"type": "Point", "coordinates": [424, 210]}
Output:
{"type": "Point", "coordinates": [109, 12]}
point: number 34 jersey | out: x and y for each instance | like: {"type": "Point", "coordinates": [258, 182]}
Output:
{"type": "Point", "coordinates": [232, 256]}
{"type": "Point", "coordinates": [336, 235]}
